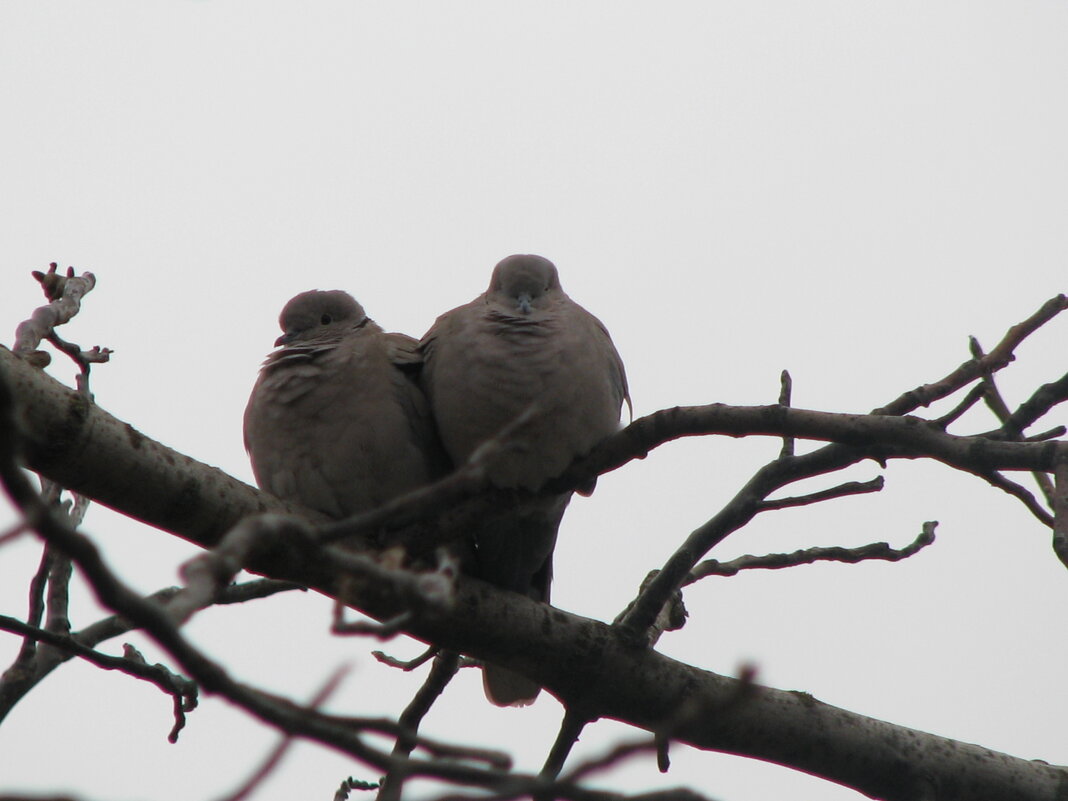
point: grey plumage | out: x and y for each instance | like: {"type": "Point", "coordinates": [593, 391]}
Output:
{"type": "Point", "coordinates": [336, 421]}
{"type": "Point", "coordinates": [523, 346]}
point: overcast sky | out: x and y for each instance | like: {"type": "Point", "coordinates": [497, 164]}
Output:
{"type": "Point", "coordinates": [844, 189]}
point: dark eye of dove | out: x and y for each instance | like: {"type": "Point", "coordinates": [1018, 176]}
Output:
{"type": "Point", "coordinates": [326, 319]}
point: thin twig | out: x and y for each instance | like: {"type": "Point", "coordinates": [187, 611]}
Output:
{"type": "Point", "coordinates": [1044, 398]}
{"type": "Point", "coordinates": [972, 397]}
{"type": "Point", "coordinates": [786, 386]}
{"type": "Point", "coordinates": [570, 729]}
{"type": "Point", "coordinates": [999, 357]}
{"type": "Point", "coordinates": [996, 479]}
{"type": "Point", "coordinates": [841, 491]}
{"type": "Point", "coordinates": [406, 665]}
{"type": "Point", "coordinates": [339, 733]}
{"type": "Point", "coordinates": [59, 576]}
{"type": "Point", "coordinates": [385, 630]}
{"type": "Point", "coordinates": [741, 509]}
{"type": "Point", "coordinates": [774, 561]}
{"type": "Point", "coordinates": [35, 616]}
{"type": "Point", "coordinates": [467, 480]}
{"type": "Point", "coordinates": [64, 293]}
{"type": "Point", "coordinates": [1013, 428]}
{"type": "Point", "coordinates": [1044, 436]}
{"type": "Point", "coordinates": [347, 786]}
{"type": "Point", "coordinates": [30, 675]}
{"type": "Point", "coordinates": [15, 531]}
{"type": "Point", "coordinates": [181, 689]}
{"type": "Point", "coordinates": [1060, 511]}
{"type": "Point", "coordinates": [442, 672]}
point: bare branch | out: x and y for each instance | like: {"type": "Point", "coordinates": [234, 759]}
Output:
{"type": "Point", "coordinates": [65, 295]}
{"type": "Point", "coordinates": [777, 726]}
{"type": "Point", "coordinates": [98, 453]}
{"type": "Point", "coordinates": [208, 573]}
{"type": "Point", "coordinates": [1053, 433]}
{"type": "Point", "coordinates": [38, 585]}
{"type": "Point", "coordinates": [672, 616]}
{"type": "Point", "coordinates": [348, 786]}
{"type": "Point", "coordinates": [1060, 512]}
{"type": "Point", "coordinates": [442, 672]}
{"type": "Point", "coordinates": [841, 491]}
{"type": "Point", "coordinates": [999, 357]}
{"type": "Point", "coordinates": [570, 729]}
{"type": "Point", "coordinates": [183, 691]}
{"type": "Point", "coordinates": [159, 625]}
{"type": "Point", "coordinates": [1045, 398]}
{"type": "Point", "coordinates": [13, 533]}
{"type": "Point", "coordinates": [116, 625]}
{"type": "Point", "coordinates": [742, 508]}
{"type": "Point", "coordinates": [23, 677]}
{"type": "Point", "coordinates": [807, 556]}
{"type": "Point", "coordinates": [970, 399]}
{"type": "Point", "coordinates": [408, 665]}
{"type": "Point", "coordinates": [84, 359]}
{"type": "Point", "coordinates": [59, 576]}
{"type": "Point", "coordinates": [419, 504]}
{"type": "Point", "coordinates": [996, 479]}
{"type": "Point", "coordinates": [385, 630]}
{"type": "Point", "coordinates": [1012, 429]}
{"type": "Point", "coordinates": [786, 386]}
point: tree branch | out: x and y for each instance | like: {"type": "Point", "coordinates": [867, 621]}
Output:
{"type": "Point", "coordinates": [183, 691]}
{"type": "Point", "coordinates": [578, 660]}
{"type": "Point", "coordinates": [807, 556]}
{"type": "Point", "coordinates": [911, 437]}
{"type": "Point", "coordinates": [841, 491]}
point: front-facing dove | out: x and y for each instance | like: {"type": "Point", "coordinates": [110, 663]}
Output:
{"type": "Point", "coordinates": [336, 421]}
{"type": "Point", "coordinates": [522, 351]}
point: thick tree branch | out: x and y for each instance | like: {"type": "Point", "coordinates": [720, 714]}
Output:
{"type": "Point", "coordinates": [589, 662]}
{"type": "Point", "coordinates": [581, 661]}
{"type": "Point", "coordinates": [79, 445]}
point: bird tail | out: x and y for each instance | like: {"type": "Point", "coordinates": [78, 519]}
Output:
{"type": "Point", "coordinates": [507, 688]}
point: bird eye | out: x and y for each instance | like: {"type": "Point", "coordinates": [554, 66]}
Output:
{"type": "Point", "coordinates": [326, 319]}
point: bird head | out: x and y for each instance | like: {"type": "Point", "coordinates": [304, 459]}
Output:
{"type": "Point", "coordinates": [319, 315]}
{"type": "Point", "coordinates": [524, 283]}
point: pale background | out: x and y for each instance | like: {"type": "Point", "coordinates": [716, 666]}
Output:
{"type": "Point", "coordinates": [844, 189]}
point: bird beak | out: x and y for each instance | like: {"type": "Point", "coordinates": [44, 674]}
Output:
{"type": "Point", "coordinates": [524, 302]}
{"type": "Point", "coordinates": [285, 339]}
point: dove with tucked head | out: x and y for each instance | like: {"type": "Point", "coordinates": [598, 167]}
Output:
{"type": "Point", "coordinates": [336, 421]}
{"type": "Point", "coordinates": [522, 349]}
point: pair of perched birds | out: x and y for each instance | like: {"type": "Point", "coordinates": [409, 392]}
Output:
{"type": "Point", "coordinates": [345, 417]}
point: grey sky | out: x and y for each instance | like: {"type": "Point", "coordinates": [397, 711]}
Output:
{"type": "Point", "coordinates": [844, 189]}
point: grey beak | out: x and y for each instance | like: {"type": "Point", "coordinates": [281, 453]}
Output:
{"type": "Point", "coordinates": [523, 302]}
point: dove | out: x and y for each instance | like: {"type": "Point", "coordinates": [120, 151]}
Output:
{"type": "Point", "coordinates": [522, 354]}
{"type": "Point", "coordinates": [336, 421]}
